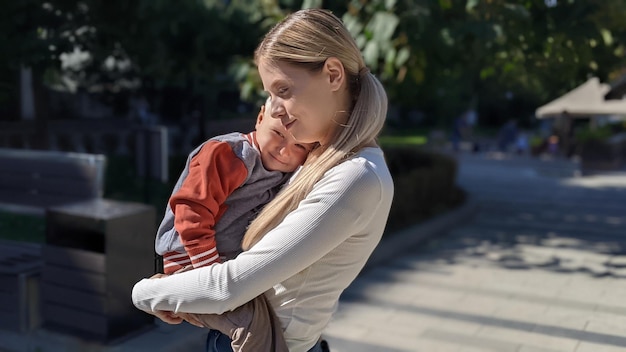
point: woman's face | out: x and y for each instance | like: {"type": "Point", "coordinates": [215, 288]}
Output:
{"type": "Point", "coordinates": [303, 101]}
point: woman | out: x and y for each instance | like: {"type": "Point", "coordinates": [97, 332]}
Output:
{"type": "Point", "coordinates": [311, 241]}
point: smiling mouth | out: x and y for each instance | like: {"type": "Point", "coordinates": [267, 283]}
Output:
{"type": "Point", "coordinates": [275, 158]}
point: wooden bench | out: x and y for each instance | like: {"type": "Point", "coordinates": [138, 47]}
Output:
{"type": "Point", "coordinates": [20, 268]}
{"type": "Point", "coordinates": [32, 181]}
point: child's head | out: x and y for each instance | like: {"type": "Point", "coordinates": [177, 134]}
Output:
{"type": "Point", "coordinates": [279, 150]}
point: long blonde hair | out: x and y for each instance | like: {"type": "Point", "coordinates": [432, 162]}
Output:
{"type": "Point", "coordinates": [306, 39]}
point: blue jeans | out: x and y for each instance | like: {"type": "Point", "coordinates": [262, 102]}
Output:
{"type": "Point", "coordinates": [218, 342]}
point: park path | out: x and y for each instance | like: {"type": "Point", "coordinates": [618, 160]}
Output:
{"type": "Point", "coordinates": [540, 268]}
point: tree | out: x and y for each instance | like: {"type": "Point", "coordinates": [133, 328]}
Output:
{"type": "Point", "coordinates": [504, 57]}
{"type": "Point", "coordinates": [175, 54]}
{"type": "Point", "coordinates": [497, 52]}
{"type": "Point", "coordinates": [25, 44]}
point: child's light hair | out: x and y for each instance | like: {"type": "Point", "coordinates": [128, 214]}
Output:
{"type": "Point", "coordinates": [306, 39]}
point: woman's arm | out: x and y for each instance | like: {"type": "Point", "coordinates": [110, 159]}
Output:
{"type": "Point", "coordinates": [338, 207]}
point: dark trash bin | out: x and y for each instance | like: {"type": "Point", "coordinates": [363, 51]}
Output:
{"type": "Point", "coordinates": [95, 251]}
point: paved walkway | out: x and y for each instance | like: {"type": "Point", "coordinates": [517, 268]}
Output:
{"type": "Point", "coordinates": [540, 268]}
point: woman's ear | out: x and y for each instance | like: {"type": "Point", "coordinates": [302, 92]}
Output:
{"type": "Point", "coordinates": [336, 73]}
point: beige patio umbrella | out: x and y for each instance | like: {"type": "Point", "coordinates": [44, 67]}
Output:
{"type": "Point", "coordinates": [583, 101]}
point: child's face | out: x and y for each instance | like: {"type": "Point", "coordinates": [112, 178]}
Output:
{"type": "Point", "coordinates": [279, 150]}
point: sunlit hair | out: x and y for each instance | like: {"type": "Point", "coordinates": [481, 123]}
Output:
{"type": "Point", "coordinates": [306, 39]}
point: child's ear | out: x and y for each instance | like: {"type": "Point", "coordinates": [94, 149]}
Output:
{"type": "Point", "coordinates": [259, 117]}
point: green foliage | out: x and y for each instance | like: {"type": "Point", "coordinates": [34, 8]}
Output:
{"type": "Point", "coordinates": [536, 141]}
{"type": "Point", "coordinates": [373, 24]}
{"type": "Point", "coordinates": [156, 42]}
{"type": "Point", "coordinates": [598, 134]}
{"type": "Point", "coordinates": [496, 54]}
{"type": "Point", "coordinates": [389, 141]}
{"type": "Point", "coordinates": [441, 57]}
{"type": "Point", "coordinates": [175, 54]}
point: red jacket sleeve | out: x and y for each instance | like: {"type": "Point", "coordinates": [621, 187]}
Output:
{"type": "Point", "coordinates": [214, 173]}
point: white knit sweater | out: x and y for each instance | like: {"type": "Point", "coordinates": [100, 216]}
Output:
{"type": "Point", "coordinates": [303, 265]}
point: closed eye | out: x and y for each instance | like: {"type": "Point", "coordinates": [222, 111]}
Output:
{"type": "Point", "coordinates": [307, 147]}
{"type": "Point", "coordinates": [282, 91]}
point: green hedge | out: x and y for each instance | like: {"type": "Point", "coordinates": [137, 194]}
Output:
{"type": "Point", "coordinates": [425, 185]}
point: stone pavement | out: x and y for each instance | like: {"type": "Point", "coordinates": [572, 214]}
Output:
{"type": "Point", "coordinates": [540, 268]}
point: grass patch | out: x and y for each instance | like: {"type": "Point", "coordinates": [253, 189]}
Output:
{"type": "Point", "coordinates": [394, 141]}
{"type": "Point", "coordinates": [27, 228]}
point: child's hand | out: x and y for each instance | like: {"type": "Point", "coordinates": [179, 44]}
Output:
{"type": "Point", "coordinates": [183, 269]}
{"type": "Point", "coordinates": [158, 276]}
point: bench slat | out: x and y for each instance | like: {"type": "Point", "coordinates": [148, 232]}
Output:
{"type": "Point", "coordinates": [33, 180]}
{"type": "Point", "coordinates": [22, 184]}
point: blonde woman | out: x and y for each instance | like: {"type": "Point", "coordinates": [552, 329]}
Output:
{"type": "Point", "coordinates": [310, 242]}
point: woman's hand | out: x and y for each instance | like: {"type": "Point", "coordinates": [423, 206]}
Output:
{"type": "Point", "coordinates": [176, 318]}
{"type": "Point", "coordinates": [191, 319]}
{"type": "Point", "coordinates": [168, 317]}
